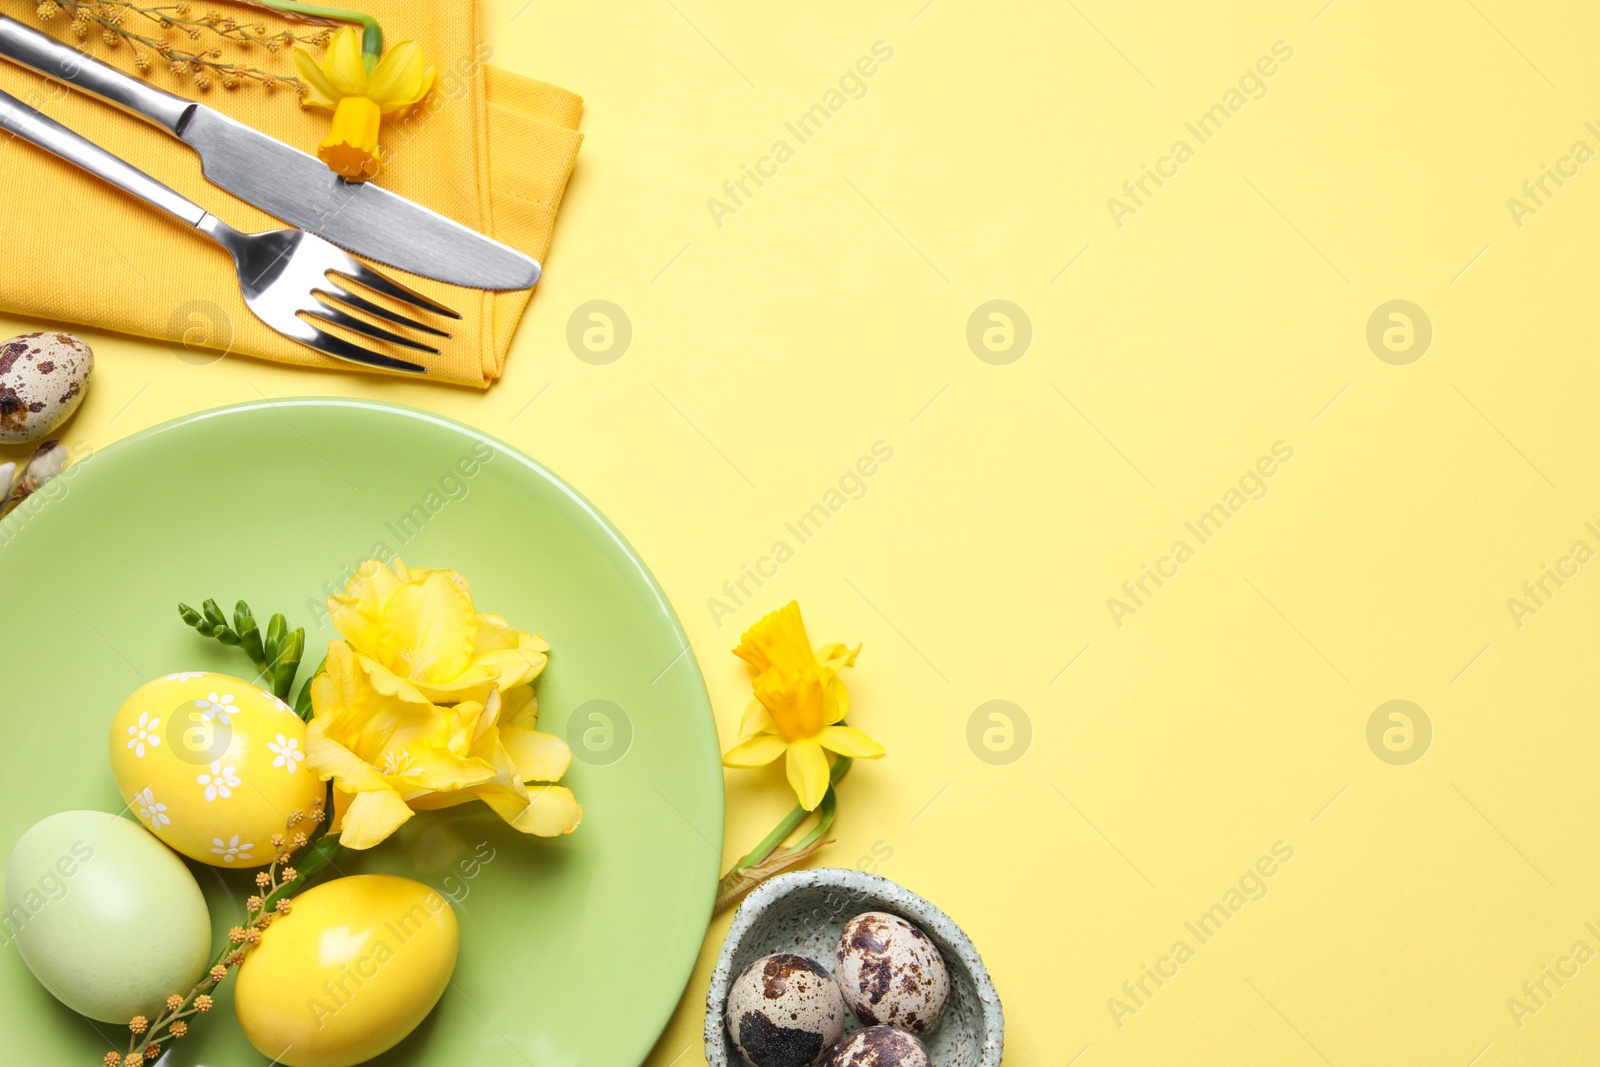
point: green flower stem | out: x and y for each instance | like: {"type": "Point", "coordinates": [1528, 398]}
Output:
{"type": "Point", "coordinates": [830, 806]}
{"type": "Point", "coordinates": [371, 32]}
{"type": "Point", "coordinates": [785, 827]}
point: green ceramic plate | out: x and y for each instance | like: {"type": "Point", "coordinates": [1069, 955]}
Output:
{"type": "Point", "coordinates": [574, 951]}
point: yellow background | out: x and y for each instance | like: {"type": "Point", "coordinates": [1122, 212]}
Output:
{"type": "Point", "coordinates": [1230, 712]}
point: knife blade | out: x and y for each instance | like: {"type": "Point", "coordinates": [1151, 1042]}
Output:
{"type": "Point", "coordinates": [284, 182]}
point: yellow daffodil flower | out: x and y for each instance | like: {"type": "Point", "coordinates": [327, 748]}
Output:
{"type": "Point", "coordinates": [360, 98]}
{"type": "Point", "coordinates": [421, 627]}
{"type": "Point", "coordinates": [389, 752]}
{"type": "Point", "coordinates": [799, 707]}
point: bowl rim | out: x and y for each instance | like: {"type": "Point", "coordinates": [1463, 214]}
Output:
{"type": "Point", "coordinates": [912, 906]}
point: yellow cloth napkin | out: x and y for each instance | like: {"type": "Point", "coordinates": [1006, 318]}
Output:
{"type": "Point", "coordinates": [489, 148]}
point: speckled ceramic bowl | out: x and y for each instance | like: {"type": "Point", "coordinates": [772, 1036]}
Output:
{"type": "Point", "coordinates": [804, 911]}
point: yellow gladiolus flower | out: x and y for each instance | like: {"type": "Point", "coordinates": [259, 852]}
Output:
{"type": "Point", "coordinates": [389, 752]}
{"type": "Point", "coordinates": [799, 707]}
{"type": "Point", "coordinates": [421, 627]}
{"type": "Point", "coordinates": [360, 98]}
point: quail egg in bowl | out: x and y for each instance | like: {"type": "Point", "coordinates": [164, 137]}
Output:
{"type": "Point", "coordinates": [785, 1011]}
{"type": "Point", "coordinates": [804, 912]}
{"type": "Point", "coordinates": [879, 1046]}
{"type": "Point", "coordinates": [890, 973]}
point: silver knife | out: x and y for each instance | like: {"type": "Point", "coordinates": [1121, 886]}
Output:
{"type": "Point", "coordinates": [285, 182]}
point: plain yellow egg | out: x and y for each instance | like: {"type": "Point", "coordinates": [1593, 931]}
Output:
{"type": "Point", "coordinates": [349, 973]}
{"type": "Point", "coordinates": [212, 765]}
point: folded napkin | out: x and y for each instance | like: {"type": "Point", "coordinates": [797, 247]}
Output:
{"type": "Point", "coordinates": [489, 148]}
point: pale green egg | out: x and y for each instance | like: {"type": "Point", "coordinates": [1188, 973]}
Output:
{"type": "Point", "coordinates": [107, 917]}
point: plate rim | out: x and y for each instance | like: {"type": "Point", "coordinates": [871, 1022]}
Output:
{"type": "Point", "coordinates": [699, 692]}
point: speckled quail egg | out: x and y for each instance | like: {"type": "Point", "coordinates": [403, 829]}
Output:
{"type": "Point", "coordinates": [784, 1011]}
{"type": "Point", "coordinates": [879, 1046]}
{"type": "Point", "coordinates": [42, 380]}
{"type": "Point", "coordinates": [890, 973]}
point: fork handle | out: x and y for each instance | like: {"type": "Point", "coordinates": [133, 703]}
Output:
{"type": "Point", "coordinates": [50, 135]}
{"type": "Point", "coordinates": [48, 56]}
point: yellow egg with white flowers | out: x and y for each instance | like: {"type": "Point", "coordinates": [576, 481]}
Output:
{"type": "Point", "coordinates": [348, 973]}
{"type": "Point", "coordinates": [212, 765]}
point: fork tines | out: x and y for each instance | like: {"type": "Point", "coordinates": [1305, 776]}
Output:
{"type": "Point", "coordinates": [334, 315]}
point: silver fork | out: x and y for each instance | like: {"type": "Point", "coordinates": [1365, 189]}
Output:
{"type": "Point", "coordinates": [283, 274]}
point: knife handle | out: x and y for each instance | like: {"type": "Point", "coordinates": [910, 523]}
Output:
{"type": "Point", "coordinates": [50, 135]}
{"type": "Point", "coordinates": [48, 56]}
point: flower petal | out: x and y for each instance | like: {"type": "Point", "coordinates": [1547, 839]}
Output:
{"type": "Point", "coordinates": [807, 768]}
{"type": "Point", "coordinates": [848, 741]}
{"type": "Point", "coordinates": [759, 751]}
{"type": "Point", "coordinates": [837, 655]}
{"type": "Point", "coordinates": [371, 817]}
{"type": "Point", "coordinates": [756, 720]}
{"type": "Point", "coordinates": [331, 760]}
{"type": "Point", "coordinates": [475, 684]}
{"type": "Point", "coordinates": [399, 69]}
{"type": "Point", "coordinates": [496, 635]}
{"type": "Point", "coordinates": [319, 91]}
{"type": "Point", "coordinates": [342, 64]}
{"type": "Point", "coordinates": [539, 757]}
{"type": "Point", "coordinates": [439, 626]}
{"type": "Point", "coordinates": [400, 79]}
{"type": "Point", "coordinates": [519, 707]}
{"type": "Point", "coordinates": [517, 665]}
{"type": "Point", "coordinates": [434, 769]}
{"type": "Point", "coordinates": [419, 624]}
{"type": "Point", "coordinates": [552, 811]}
{"type": "Point", "coordinates": [835, 698]}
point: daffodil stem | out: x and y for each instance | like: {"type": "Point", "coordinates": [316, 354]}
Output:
{"type": "Point", "coordinates": [371, 32]}
{"type": "Point", "coordinates": [825, 814]}
{"type": "Point", "coordinates": [787, 825]}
